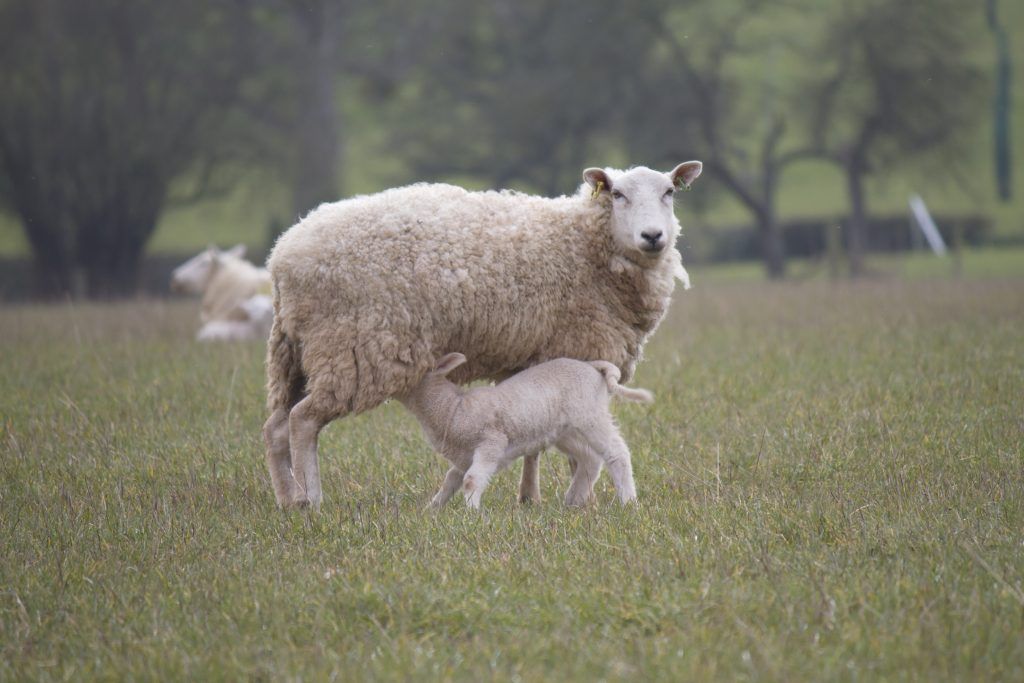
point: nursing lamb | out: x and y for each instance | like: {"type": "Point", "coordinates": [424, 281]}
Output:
{"type": "Point", "coordinates": [562, 402]}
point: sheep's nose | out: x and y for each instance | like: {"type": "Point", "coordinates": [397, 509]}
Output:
{"type": "Point", "coordinates": [651, 236]}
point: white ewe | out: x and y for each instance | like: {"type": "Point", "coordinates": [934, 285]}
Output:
{"type": "Point", "coordinates": [369, 291]}
{"type": "Point", "coordinates": [236, 303]}
{"type": "Point", "coordinates": [562, 402]}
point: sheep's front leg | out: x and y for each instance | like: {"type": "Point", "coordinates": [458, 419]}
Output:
{"type": "Point", "coordinates": [529, 484]}
{"type": "Point", "coordinates": [452, 482]}
{"type": "Point", "coordinates": [488, 458]}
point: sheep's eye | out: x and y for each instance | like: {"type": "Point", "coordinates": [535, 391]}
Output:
{"type": "Point", "coordinates": [669, 192]}
{"type": "Point", "coordinates": [617, 195]}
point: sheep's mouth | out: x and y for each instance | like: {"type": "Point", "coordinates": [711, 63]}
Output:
{"type": "Point", "coordinates": [652, 250]}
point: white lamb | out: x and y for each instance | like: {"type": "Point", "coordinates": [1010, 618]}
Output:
{"type": "Point", "coordinates": [236, 302]}
{"type": "Point", "coordinates": [368, 292]}
{"type": "Point", "coordinates": [562, 402]}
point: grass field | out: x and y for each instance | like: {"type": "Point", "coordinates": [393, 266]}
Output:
{"type": "Point", "coordinates": [831, 487]}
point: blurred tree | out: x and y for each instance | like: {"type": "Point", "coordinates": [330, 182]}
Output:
{"type": "Point", "coordinates": [894, 82]}
{"type": "Point", "coordinates": [311, 52]}
{"type": "Point", "coordinates": [104, 105]}
{"type": "Point", "coordinates": [518, 92]}
{"type": "Point", "coordinates": [1001, 105]}
{"type": "Point", "coordinates": [717, 90]}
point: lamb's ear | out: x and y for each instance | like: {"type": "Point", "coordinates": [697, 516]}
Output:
{"type": "Point", "coordinates": [598, 180]}
{"type": "Point", "coordinates": [685, 173]}
{"type": "Point", "coordinates": [238, 251]}
{"type": "Point", "coordinates": [448, 363]}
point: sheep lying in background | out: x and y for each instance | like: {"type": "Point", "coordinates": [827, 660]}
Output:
{"type": "Point", "coordinates": [561, 402]}
{"type": "Point", "coordinates": [369, 291]}
{"type": "Point", "coordinates": [257, 317]}
{"type": "Point", "coordinates": [236, 303]}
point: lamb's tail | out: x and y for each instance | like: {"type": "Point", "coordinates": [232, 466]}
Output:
{"type": "Point", "coordinates": [611, 377]}
{"type": "Point", "coordinates": [285, 379]}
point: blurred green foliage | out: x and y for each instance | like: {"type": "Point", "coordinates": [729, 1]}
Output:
{"type": "Point", "coordinates": [338, 98]}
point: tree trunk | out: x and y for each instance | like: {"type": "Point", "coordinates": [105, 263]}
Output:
{"type": "Point", "coordinates": [1003, 150]}
{"type": "Point", "coordinates": [318, 141]}
{"type": "Point", "coordinates": [51, 277]}
{"type": "Point", "coordinates": [112, 240]}
{"type": "Point", "coordinates": [856, 224]}
{"type": "Point", "coordinates": [773, 249]}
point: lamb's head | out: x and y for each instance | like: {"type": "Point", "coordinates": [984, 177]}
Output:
{"type": "Point", "coordinates": [194, 275]}
{"type": "Point", "coordinates": [437, 380]}
{"type": "Point", "coordinates": [643, 222]}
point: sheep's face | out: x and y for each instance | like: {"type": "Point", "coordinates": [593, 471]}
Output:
{"type": "Point", "coordinates": [643, 221]}
{"type": "Point", "coordinates": [194, 275]}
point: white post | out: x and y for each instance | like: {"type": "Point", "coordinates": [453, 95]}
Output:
{"type": "Point", "coordinates": [927, 225]}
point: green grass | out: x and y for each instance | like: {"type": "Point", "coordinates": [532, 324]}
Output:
{"type": "Point", "coordinates": [981, 262]}
{"type": "Point", "coordinates": [830, 487]}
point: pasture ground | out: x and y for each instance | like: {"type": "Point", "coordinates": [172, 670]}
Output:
{"type": "Point", "coordinates": [831, 487]}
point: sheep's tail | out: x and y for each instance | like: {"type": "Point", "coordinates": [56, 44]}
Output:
{"type": "Point", "coordinates": [285, 379]}
{"type": "Point", "coordinates": [611, 376]}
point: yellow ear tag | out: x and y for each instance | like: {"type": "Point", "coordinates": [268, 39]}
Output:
{"type": "Point", "coordinates": [597, 189]}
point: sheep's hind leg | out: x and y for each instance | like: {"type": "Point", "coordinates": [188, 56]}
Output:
{"type": "Point", "coordinates": [529, 484]}
{"type": "Point", "coordinates": [452, 482]}
{"type": "Point", "coordinates": [304, 425]}
{"type": "Point", "coordinates": [279, 460]}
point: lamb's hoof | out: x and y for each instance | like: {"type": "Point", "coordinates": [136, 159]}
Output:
{"type": "Point", "coordinates": [529, 499]}
{"type": "Point", "coordinates": [304, 503]}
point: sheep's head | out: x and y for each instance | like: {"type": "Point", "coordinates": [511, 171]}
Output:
{"type": "Point", "coordinates": [643, 221]}
{"type": "Point", "coordinates": [194, 275]}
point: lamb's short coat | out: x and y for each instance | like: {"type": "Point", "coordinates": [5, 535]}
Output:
{"type": "Point", "coordinates": [561, 403]}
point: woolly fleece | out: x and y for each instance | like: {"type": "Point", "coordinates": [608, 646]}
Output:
{"type": "Point", "coordinates": [370, 291]}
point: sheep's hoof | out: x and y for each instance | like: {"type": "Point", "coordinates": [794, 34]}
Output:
{"type": "Point", "coordinates": [529, 498]}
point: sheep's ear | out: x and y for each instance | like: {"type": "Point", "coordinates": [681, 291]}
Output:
{"type": "Point", "coordinates": [449, 363]}
{"type": "Point", "coordinates": [598, 180]}
{"type": "Point", "coordinates": [685, 173]}
{"type": "Point", "coordinates": [238, 251]}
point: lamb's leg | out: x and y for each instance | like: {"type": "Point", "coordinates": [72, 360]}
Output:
{"type": "Point", "coordinates": [279, 460]}
{"type": "Point", "coordinates": [606, 441]}
{"type": "Point", "coordinates": [488, 458]}
{"type": "Point", "coordinates": [304, 425]}
{"type": "Point", "coordinates": [529, 484]}
{"type": "Point", "coordinates": [585, 466]}
{"type": "Point", "coordinates": [452, 482]}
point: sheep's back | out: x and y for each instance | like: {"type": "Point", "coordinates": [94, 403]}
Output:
{"type": "Point", "coordinates": [429, 269]}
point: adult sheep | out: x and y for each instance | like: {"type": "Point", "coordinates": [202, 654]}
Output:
{"type": "Point", "coordinates": [369, 292]}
